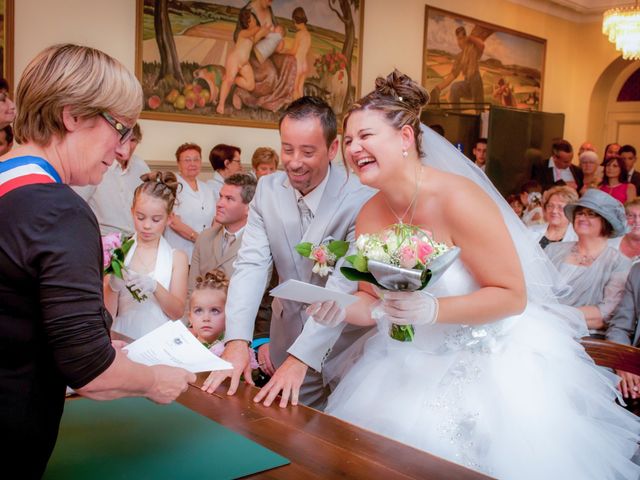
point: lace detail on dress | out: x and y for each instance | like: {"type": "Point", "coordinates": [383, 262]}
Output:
{"type": "Point", "coordinates": [479, 339]}
{"type": "Point", "coordinates": [459, 426]}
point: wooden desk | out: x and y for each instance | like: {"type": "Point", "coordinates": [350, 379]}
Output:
{"type": "Point", "coordinates": [319, 446]}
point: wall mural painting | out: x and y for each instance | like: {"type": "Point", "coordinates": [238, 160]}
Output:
{"type": "Point", "coordinates": [470, 62]}
{"type": "Point", "coordinates": [242, 62]}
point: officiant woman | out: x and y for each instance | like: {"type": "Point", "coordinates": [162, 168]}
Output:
{"type": "Point", "coordinates": [76, 109]}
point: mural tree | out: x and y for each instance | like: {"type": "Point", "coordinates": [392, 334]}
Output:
{"type": "Point", "coordinates": [345, 14]}
{"type": "Point", "coordinates": [170, 71]}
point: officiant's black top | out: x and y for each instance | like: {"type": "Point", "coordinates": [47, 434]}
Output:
{"type": "Point", "coordinates": [54, 330]}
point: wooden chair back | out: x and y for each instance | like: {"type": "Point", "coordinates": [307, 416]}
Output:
{"type": "Point", "coordinates": [613, 355]}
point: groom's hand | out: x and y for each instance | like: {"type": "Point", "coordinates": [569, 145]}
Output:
{"type": "Point", "coordinates": [287, 379]}
{"type": "Point", "coordinates": [235, 352]}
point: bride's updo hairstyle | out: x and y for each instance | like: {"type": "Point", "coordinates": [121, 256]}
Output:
{"type": "Point", "coordinates": [162, 185]}
{"type": "Point", "coordinates": [400, 100]}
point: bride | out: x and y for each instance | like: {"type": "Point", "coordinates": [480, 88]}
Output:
{"type": "Point", "coordinates": [154, 269]}
{"type": "Point", "coordinates": [494, 378]}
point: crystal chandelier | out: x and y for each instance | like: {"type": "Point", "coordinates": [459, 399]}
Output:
{"type": "Point", "coordinates": [622, 25]}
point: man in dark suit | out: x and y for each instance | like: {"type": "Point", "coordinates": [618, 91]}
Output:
{"type": "Point", "coordinates": [628, 155]}
{"type": "Point", "coordinates": [623, 328]}
{"type": "Point", "coordinates": [558, 170]}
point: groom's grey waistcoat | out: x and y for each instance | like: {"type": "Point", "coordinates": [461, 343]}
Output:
{"type": "Point", "coordinates": [272, 232]}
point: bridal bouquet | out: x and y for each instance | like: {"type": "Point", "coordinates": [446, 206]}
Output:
{"type": "Point", "coordinates": [114, 250]}
{"type": "Point", "coordinates": [402, 257]}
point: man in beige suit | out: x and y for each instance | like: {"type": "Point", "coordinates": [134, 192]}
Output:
{"type": "Point", "coordinates": [311, 201]}
{"type": "Point", "coordinates": [218, 246]}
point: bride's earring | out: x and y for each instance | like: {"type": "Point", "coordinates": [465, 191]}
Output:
{"type": "Point", "coordinates": [405, 154]}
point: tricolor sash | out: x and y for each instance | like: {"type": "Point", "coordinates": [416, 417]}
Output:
{"type": "Point", "coordinates": [27, 170]}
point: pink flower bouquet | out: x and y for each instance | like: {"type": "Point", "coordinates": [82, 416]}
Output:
{"type": "Point", "coordinates": [402, 257]}
{"type": "Point", "coordinates": [114, 250]}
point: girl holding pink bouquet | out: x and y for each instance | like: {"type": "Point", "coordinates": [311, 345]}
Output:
{"type": "Point", "coordinates": [153, 270]}
{"type": "Point", "coordinates": [206, 311]}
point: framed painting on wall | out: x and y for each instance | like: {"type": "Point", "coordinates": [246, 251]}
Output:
{"type": "Point", "coordinates": [241, 62]}
{"type": "Point", "coordinates": [6, 40]}
{"type": "Point", "coordinates": [468, 64]}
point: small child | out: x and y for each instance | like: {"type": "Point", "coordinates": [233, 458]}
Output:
{"type": "Point", "coordinates": [206, 311]}
{"type": "Point", "coordinates": [206, 307]}
{"type": "Point", "coordinates": [300, 49]}
{"type": "Point", "coordinates": [237, 67]}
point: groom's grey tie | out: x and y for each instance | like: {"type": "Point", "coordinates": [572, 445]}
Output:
{"type": "Point", "coordinates": [306, 215]}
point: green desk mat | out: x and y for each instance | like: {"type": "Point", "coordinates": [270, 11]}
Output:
{"type": "Point", "coordinates": [133, 438]}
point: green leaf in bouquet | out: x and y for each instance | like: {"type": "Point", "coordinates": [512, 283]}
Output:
{"type": "Point", "coordinates": [115, 267]}
{"type": "Point", "coordinates": [304, 249]}
{"type": "Point", "coordinates": [338, 247]}
{"type": "Point", "coordinates": [358, 261]}
{"type": "Point", "coordinates": [126, 246]}
{"type": "Point", "coordinates": [354, 275]}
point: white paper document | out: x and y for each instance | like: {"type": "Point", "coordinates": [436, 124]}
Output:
{"type": "Point", "coordinates": [306, 293]}
{"type": "Point", "coordinates": [172, 344]}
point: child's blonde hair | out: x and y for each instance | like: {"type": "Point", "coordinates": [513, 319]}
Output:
{"type": "Point", "coordinates": [213, 280]}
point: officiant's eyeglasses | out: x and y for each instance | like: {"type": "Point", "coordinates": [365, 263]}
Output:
{"type": "Point", "coordinates": [124, 132]}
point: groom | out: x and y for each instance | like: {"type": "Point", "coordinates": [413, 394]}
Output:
{"type": "Point", "coordinates": [311, 201]}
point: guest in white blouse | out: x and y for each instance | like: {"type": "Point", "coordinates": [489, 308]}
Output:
{"type": "Point", "coordinates": [629, 245]}
{"type": "Point", "coordinates": [195, 205]}
{"type": "Point", "coordinates": [556, 227]}
{"type": "Point", "coordinates": [225, 161]}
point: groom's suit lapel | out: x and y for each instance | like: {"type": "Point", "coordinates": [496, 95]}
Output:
{"type": "Point", "coordinates": [329, 206]}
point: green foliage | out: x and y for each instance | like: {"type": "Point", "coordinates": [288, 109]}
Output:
{"type": "Point", "coordinates": [338, 247]}
{"type": "Point", "coordinates": [304, 249]}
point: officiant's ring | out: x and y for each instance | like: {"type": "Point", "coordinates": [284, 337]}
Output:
{"type": "Point", "coordinates": [635, 388]}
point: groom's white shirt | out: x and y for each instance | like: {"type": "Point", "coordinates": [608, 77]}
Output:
{"type": "Point", "coordinates": [272, 232]}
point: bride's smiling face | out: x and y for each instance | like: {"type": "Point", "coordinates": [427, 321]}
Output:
{"type": "Point", "coordinates": [372, 147]}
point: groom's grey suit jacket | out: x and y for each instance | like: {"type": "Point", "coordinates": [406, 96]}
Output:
{"type": "Point", "coordinates": [624, 326]}
{"type": "Point", "coordinates": [272, 232]}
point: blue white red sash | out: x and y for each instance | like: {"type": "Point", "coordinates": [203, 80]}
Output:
{"type": "Point", "coordinates": [28, 170]}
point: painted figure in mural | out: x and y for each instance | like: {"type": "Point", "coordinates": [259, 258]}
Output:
{"type": "Point", "coordinates": [300, 49]}
{"type": "Point", "coordinates": [466, 64]}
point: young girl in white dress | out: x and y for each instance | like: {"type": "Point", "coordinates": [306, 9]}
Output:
{"type": "Point", "coordinates": [494, 378]}
{"type": "Point", "coordinates": [153, 268]}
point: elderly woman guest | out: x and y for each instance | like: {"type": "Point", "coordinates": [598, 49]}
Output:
{"type": "Point", "coordinates": [629, 245]}
{"type": "Point", "coordinates": [264, 161]}
{"type": "Point", "coordinates": [76, 108]}
{"type": "Point", "coordinates": [195, 206]}
{"type": "Point", "coordinates": [589, 166]}
{"type": "Point", "coordinates": [614, 180]}
{"type": "Point", "coordinates": [225, 161]}
{"type": "Point", "coordinates": [595, 271]}
{"type": "Point", "coordinates": [556, 227]}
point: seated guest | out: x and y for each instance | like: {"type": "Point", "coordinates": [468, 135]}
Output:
{"type": "Point", "coordinates": [112, 198]}
{"type": "Point", "coordinates": [558, 170]}
{"type": "Point", "coordinates": [629, 244]}
{"type": "Point", "coordinates": [7, 107]}
{"type": "Point", "coordinates": [556, 227]}
{"type": "Point", "coordinates": [217, 246]}
{"type": "Point", "coordinates": [628, 155]}
{"type": "Point", "coordinates": [595, 272]}
{"type": "Point", "coordinates": [155, 271]}
{"type": "Point", "coordinates": [225, 161]}
{"type": "Point", "coordinates": [531, 198]}
{"type": "Point", "coordinates": [586, 147]}
{"type": "Point", "coordinates": [623, 328]}
{"type": "Point", "coordinates": [590, 171]}
{"type": "Point", "coordinates": [614, 180]}
{"type": "Point", "coordinates": [480, 153]}
{"type": "Point", "coordinates": [611, 151]}
{"type": "Point", "coordinates": [6, 140]}
{"type": "Point", "coordinates": [516, 204]}
{"type": "Point", "coordinates": [195, 205]}
{"type": "Point", "coordinates": [264, 161]}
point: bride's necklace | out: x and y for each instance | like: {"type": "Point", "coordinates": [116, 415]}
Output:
{"type": "Point", "coordinates": [412, 205]}
{"type": "Point", "coordinates": [583, 260]}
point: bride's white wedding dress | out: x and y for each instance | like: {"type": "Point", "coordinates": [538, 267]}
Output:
{"type": "Point", "coordinates": [134, 318]}
{"type": "Point", "coordinates": [515, 399]}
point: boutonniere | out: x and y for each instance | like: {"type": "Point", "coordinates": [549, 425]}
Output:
{"type": "Point", "coordinates": [324, 255]}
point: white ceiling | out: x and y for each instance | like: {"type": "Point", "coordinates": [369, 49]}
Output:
{"type": "Point", "coordinates": [574, 10]}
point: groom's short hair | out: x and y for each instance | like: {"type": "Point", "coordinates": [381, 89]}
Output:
{"type": "Point", "coordinates": [308, 106]}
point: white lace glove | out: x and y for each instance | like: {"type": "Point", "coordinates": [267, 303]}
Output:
{"type": "Point", "coordinates": [142, 284]}
{"type": "Point", "coordinates": [116, 283]}
{"type": "Point", "coordinates": [410, 308]}
{"type": "Point", "coordinates": [327, 313]}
